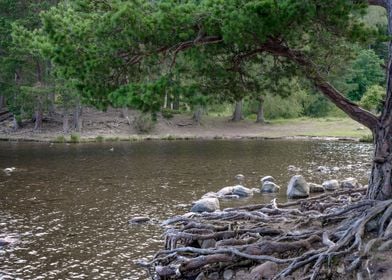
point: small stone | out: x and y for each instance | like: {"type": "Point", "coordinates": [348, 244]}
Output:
{"type": "Point", "coordinates": [206, 205]}
{"type": "Point", "coordinates": [201, 276]}
{"type": "Point", "coordinates": [241, 274]}
{"type": "Point", "coordinates": [293, 168]}
{"type": "Point", "coordinates": [242, 191]}
{"type": "Point", "coordinates": [349, 183]}
{"type": "Point", "coordinates": [316, 188]}
{"type": "Point", "coordinates": [240, 178]}
{"type": "Point", "coordinates": [228, 274]}
{"type": "Point", "coordinates": [323, 169]}
{"type": "Point", "coordinates": [139, 220]}
{"type": "Point", "coordinates": [266, 270]}
{"type": "Point", "coordinates": [331, 185]}
{"type": "Point", "coordinates": [267, 179]}
{"type": "Point", "coordinates": [270, 187]}
{"type": "Point", "coordinates": [225, 191]}
{"type": "Point", "coordinates": [297, 187]}
{"type": "Point", "coordinates": [213, 276]}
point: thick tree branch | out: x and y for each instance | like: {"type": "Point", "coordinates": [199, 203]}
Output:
{"type": "Point", "coordinates": [381, 3]}
{"type": "Point", "coordinates": [353, 110]}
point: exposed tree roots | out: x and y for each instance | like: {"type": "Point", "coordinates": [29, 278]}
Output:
{"type": "Point", "coordinates": [305, 242]}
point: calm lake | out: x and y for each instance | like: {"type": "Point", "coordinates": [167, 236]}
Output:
{"type": "Point", "coordinates": [65, 209]}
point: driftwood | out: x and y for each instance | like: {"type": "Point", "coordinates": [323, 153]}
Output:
{"type": "Point", "coordinates": [298, 239]}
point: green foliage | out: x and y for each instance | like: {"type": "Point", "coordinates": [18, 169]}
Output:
{"type": "Point", "coordinates": [60, 139]}
{"type": "Point", "coordinates": [366, 71]}
{"type": "Point", "coordinates": [74, 138]}
{"type": "Point", "coordinates": [373, 98]}
{"type": "Point", "coordinates": [99, 139]}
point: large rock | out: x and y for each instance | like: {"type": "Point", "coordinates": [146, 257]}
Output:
{"type": "Point", "coordinates": [331, 185]}
{"type": "Point", "coordinates": [225, 191]}
{"type": "Point", "coordinates": [349, 183]}
{"type": "Point", "coordinates": [267, 179]}
{"type": "Point", "coordinates": [298, 187]}
{"type": "Point", "coordinates": [242, 191]}
{"type": "Point", "coordinates": [316, 188]}
{"type": "Point", "coordinates": [270, 187]}
{"type": "Point", "coordinates": [205, 205]}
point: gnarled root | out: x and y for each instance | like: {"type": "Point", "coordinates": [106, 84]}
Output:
{"type": "Point", "coordinates": [303, 242]}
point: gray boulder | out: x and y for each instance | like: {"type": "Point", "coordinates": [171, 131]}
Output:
{"type": "Point", "coordinates": [241, 191]}
{"type": "Point", "coordinates": [316, 188]}
{"type": "Point", "coordinates": [270, 187]}
{"type": "Point", "coordinates": [331, 185]}
{"type": "Point", "coordinates": [205, 205]}
{"type": "Point", "coordinates": [267, 179]}
{"type": "Point", "coordinates": [349, 183]}
{"type": "Point", "coordinates": [298, 187]}
{"type": "Point", "coordinates": [225, 191]}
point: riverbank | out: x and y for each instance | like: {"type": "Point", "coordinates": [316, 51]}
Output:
{"type": "Point", "coordinates": [110, 126]}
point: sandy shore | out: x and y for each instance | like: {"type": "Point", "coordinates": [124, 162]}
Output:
{"type": "Point", "coordinates": [110, 126]}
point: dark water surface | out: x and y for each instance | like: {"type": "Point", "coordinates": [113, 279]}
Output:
{"type": "Point", "coordinates": [65, 209]}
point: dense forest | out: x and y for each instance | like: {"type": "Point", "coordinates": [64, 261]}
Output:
{"type": "Point", "coordinates": [60, 56]}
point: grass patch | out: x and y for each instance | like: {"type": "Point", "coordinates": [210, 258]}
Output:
{"type": "Point", "coordinates": [75, 138]}
{"type": "Point", "coordinates": [113, 139]}
{"type": "Point", "coordinates": [366, 139]}
{"type": "Point", "coordinates": [99, 139]}
{"type": "Point", "coordinates": [60, 139]}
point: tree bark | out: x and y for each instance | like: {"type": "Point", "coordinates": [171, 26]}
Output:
{"type": "Point", "coordinates": [197, 114]}
{"type": "Point", "coordinates": [260, 111]}
{"type": "Point", "coordinates": [237, 115]}
{"type": "Point", "coordinates": [38, 114]}
{"type": "Point", "coordinates": [380, 182]}
{"type": "Point", "coordinates": [65, 120]}
{"type": "Point", "coordinates": [77, 117]}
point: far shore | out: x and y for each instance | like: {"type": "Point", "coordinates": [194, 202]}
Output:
{"type": "Point", "coordinates": [109, 126]}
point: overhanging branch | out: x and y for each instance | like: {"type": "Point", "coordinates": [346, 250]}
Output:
{"type": "Point", "coordinates": [353, 110]}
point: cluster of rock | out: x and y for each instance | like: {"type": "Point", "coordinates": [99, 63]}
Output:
{"type": "Point", "coordinates": [297, 188]}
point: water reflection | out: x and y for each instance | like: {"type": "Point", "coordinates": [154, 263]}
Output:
{"type": "Point", "coordinates": [66, 207]}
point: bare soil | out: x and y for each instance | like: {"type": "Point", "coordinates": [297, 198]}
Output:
{"type": "Point", "coordinates": [111, 125]}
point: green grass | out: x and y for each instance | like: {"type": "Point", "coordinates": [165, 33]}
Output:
{"type": "Point", "coordinates": [74, 138]}
{"type": "Point", "coordinates": [60, 139]}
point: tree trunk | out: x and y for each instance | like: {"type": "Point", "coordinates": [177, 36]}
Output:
{"type": "Point", "coordinates": [197, 114]}
{"type": "Point", "coordinates": [39, 106]}
{"type": "Point", "coordinates": [237, 115]}
{"type": "Point", "coordinates": [260, 111]}
{"type": "Point", "coordinates": [38, 116]}
{"type": "Point", "coordinates": [52, 105]}
{"type": "Point", "coordinates": [77, 117]}
{"type": "Point", "coordinates": [65, 121]}
{"type": "Point", "coordinates": [380, 182]}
